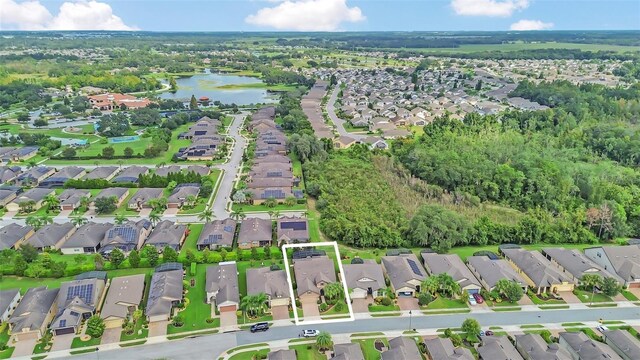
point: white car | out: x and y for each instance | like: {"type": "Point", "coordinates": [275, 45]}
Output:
{"type": "Point", "coordinates": [472, 300]}
{"type": "Point", "coordinates": [602, 328]}
{"type": "Point", "coordinates": [310, 333]}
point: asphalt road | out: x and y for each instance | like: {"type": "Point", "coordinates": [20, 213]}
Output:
{"type": "Point", "coordinates": [211, 346]}
{"type": "Point", "coordinates": [331, 111]}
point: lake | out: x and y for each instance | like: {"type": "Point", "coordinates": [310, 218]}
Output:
{"type": "Point", "coordinates": [207, 83]}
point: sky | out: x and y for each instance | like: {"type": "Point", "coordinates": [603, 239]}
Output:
{"type": "Point", "coordinates": [320, 15]}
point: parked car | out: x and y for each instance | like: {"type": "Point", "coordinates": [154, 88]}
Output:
{"type": "Point", "coordinates": [310, 333]}
{"type": "Point", "coordinates": [488, 333]}
{"type": "Point", "coordinates": [478, 298]}
{"type": "Point", "coordinates": [602, 328]}
{"type": "Point", "coordinates": [482, 333]}
{"type": "Point", "coordinates": [262, 326]}
{"type": "Point", "coordinates": [472, 300]}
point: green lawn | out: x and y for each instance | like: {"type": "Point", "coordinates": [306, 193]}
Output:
{"type": "Point", "coordinates": [538, 301]}
{"type": "Point", "coordinates": [78, 343]}
{"type": "Point", "coordinates": [4, 339]}
{"type": "Point", "coordinates": [197, 312]}
{"type": "Point", "coordinates": [444, 303]}
{"type": "Point", "coordinates": [192, 239]}
{"type": "Point", "coordinates": [382, 308]}
{"type": "Point", "coordinates": [629, 295]}
{"type": "Point", "coordinates": [136, 333]}
{"type": "Point", "coordinates": [307, 352]}
{"type": "Point", "coordinates": [368, 348]}
{"type": "Point", "coordinates": [585, 296]}
{"type": "Point", "coordinates": [249, 355]}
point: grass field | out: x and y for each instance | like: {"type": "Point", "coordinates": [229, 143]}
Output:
{"type": "Point", "coordinates": [528, 46]}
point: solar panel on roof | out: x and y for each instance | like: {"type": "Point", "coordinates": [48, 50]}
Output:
{"type": "Point", "coordinates": [297, 225]}
{"type": "Point", "coordinates": [276, 194]}
{"type": "Point", "coordinates": [228, 228]}
{"type": "Point", "coordinates": [414, 267]}
{"type": "Point", "coordinates": [73, 313]}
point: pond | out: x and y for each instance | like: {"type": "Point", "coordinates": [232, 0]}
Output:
{"type": "Point", "coordinates": [209, 84]}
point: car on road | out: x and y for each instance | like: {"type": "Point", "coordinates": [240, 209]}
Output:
{"type": "Point", "coordinates": [602, 328]}
{"type": "Point", "coordinates": [262, 326]}
{"type": "Point", "coordinates": [488, 333]}
{"type": "Point", "coordinates": [472, 300]}
{"type": "Point", "coordinates": [482, 333]}
{"type": "Point", "coordinates": [309, 333]}
{"type": "Point", "coordinates": [478, 298]}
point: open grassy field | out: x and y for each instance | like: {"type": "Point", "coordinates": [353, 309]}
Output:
{"type": "Point", "coordinates": [528, 46]}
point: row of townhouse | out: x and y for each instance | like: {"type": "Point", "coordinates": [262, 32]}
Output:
{"type": "Point", "coordinates": [205, 140]}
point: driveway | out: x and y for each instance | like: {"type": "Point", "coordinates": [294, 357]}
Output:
{"type": "Point", "coordinates": [9, 215]}
{"type": "Point", "coordinates": [64, 214]}
{"type": "Point", "coordinates": [158, 328]}
{"type": "Point", "coordinates": [310, 308]}
{"type": "Point", "coordinates": [361, 305]}
{"type": "Point", "coordinates": [62, 342]}
{"type": "Point", "coordinates": [111, 335]}
{"type": "Point", "coordinates": [408, 303]}
{"type": "Point", "coordinates": [525, 300]}
{"type": "Point", "coordinates": [635, 291]}
{"type": "Point", "coordinates": [171, 212]}
{"type": "Point", "coordinates": [280, 312]}
{"type": "Point", "coordinates": [569, 297]}
{"type": "Point", "coordinates": [145, 212]}
{"type": "Point", "coordinates": [25, 347]}
{"type": "Point", "coordinates": [228, 320]}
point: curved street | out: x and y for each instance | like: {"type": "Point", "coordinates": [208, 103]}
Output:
{"type": "Point", "coordinates": [331, 111]}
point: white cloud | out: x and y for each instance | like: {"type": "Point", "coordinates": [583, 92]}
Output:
{"type": "Point", "coordinates": [306, 15]}
{"type": "Point", "coordinates": [75, 15]}
{"type": "Point", "coordinates": [500, 8]}
{"type": "Point", "coordinates": [524, 25]}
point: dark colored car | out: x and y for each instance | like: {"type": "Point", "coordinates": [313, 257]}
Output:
{"type": "Point", "coordinates": [263, 326]}
{"type": "Point", "coordinates": [478, 298]}
{"type": "Point", "coordinates": [488, 333]}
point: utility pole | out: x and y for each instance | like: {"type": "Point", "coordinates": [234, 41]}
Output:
{"type": "Point", "coordinates": [410, 320]}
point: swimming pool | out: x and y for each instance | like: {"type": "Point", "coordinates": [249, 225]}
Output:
{"type": "Point", "coordinates": [123, 139]}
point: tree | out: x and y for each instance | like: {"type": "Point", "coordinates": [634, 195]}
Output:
{"type": "Point", "coordinates": [514, 292]}
{"type": "Point", "coordinates": [34, 222]}
{"type": "Point", "coordinates": [471, 327]}
{"type": "Point", "coordinates": [105, 205]}
{"type": "Point", "coordinates": [158, 203]}
{"type": "Point", "coordinates": [206, 215]}
{"type": "Point", "coordinates": [254, 305]}
{"type": "Point", "coordinates": [324, 341]}
{"type": "Point", "coordinates": [108, 152]}
{"type": "Point", "coordinates": [120, 219]}
{"type": "Point", "coordinates": [79, 221]}
{"type": "Point", "coordinates": [191, 256]}
{"type": "Point", "coordinates": [237, 215]}
{"type": "Point", "coordinates": [95, 326]}
{"type": "Point", "coordinates": [154, 217]}
{"type": "Point", "coordinates": [116, 257]}
{"type": "Point", "coordinates": [193, 103]}
{"type": "Point", "coordinates": [29, 252]}
{"type": "Point", "coordinates": [128, 152]}
{"type": "Point", "coordinates": [23, 117]}
{"type": "Point", "coordinates": [134, 258]}
{"type": "Point", "coordinates": [270, 202]}
{"type": "Point", "coordinates": [68, 152]}
{"type": "Point", "coordinates": [151, 254]}
{"type": "Point", "coordinates": [20, 264]}
{"type": "Point", "coordinates": [98, 261]}
{"type": "Point", "coordinates": [610, 287]}
{"type": "Point", "coordinates": [333, 290]}
{"type": "Point", "coordinates": [448, 286]}
{"type": "Point", "coordinates": [430, 285]}
{"type": "Point", "coordinates": [479, 85]}
{"type": "Point", "coordinates": [437, 227]}
{"type": "Point", "coordinates": [169, 254]}
{"type": "Point", "coordinates": [290, 201]}
{"type": "Point", "coordinates": [589, 281]}
{"type": "Point", "coordinates": [178, 321]}
{"type": "Point", "coordinates": [51, 202]}
{"type": "Point", "coordinates": [26, 206]}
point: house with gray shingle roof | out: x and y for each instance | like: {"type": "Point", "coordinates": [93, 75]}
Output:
{"type": "Point", "coordinates": [222, 286]}
{"type": "Point", "coordinates": [405, 273]}
{"type": "Point", "coordinates": [312, 274]}
{"type": "Point", "coordinates": [216, 234]}
{"type": "Point", "coordinates": [140, 199]}
{"type": "Point", "coordinates": [623, 260]}
{"type": "Point", "coordinates": [37, 195]}
{"type": "Point", "coordinates": [623, 343]}
{"type": "Point", "coordinates": [34, 175]}
{"type": "Point", "coordinates": [401, 348]}
{"type": "Point", "coordinates": [124, 297]}
{"type": "Point", "coordinates": [126, 237]}
{"type": "Point", "coordinates": [273, 283]}
{"type": "Point", "coordinates": [348, 351]}
{"type": "Point", "coordinates": [131, 174]}
{"type": "Point", "coordinates": [575, 264]}
{"type": "Point", "coordinates": [443, 349]}
{"type": "Point", "coordinates": [363, 280]}
{"type": "Point", "coordinates": [533, 347]}
{"type": "Point", "coordinates": [86, 239]}
{"type": "Point", "coordinates": [254, 232]}
{"type": "Point", "coordinates": [77, 301]}
{"type": "Point", "coordinates": [119, 193]}
{"type": "Point", "coordinates": [180, 196]}
{"type": "Point", "coordinates": [167, 233]}
{"type": "Point", "coordinates": [14, 235]}
{"type": "Point", "coordinates": [34, 313]}
{"type": "Point", "coordinates": [292, 230]}
{"type": "Point", "coordinates": [66, 173]}
{"type": "Point", "coordinates": [282, 354]}
{"type": "Point", "coordinates": [102, 172]}
{"type": "Point", "coordinates": [582, 347]}
{"type": "Point", "coordinates": [165, 292]}
{"type": "Point", "coordinates": [489, 271]}
{"type": "Point", "coordinates": [537, 271]}
{"type": "Point", "coordinates": [9, 173]}
{"type": "Point", "coordinates": [70, 199]}
{"type": "Point", "coordinates": [497, 348]}
{"type": "Point", "coordinates": [8, 301]}
{"type": "Point", "coordinates": [51, 236]}
{"type": "Point", "coordinates": [451, 264]}
{"type": "Point", "coordinates": [8, 193]}
{"type": "Point", "coordinates": [166, 170]}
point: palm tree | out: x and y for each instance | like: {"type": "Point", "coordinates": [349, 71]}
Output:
{"type": "Point", "coordinates": [85, 201]}
{"type": "Point", "coordinates": [190, 200]}
{"type": "Point", "coordinates": [45, 219]}
{"type": "Point", "coordinates": [332, 290]}
{"type": "Point", "coordinates": [238, 214]}
{"type": "Point", "coordinates": [79, 221]}
{"type": "Point", "coordinates": [33, 221]}
{"type": "Point", "coordinates": [206, 215]}
{"type": "Point", "coordinates": [323, 341]}
{"type": "Point", "coordinates": [154, 217]}
{"type": "Point", "coordinates": [120, 219]}
{"type": "Point", "coordinates": [31, 164]}
{"type": "Point", "coordinates": [120, 162]}
{"type": "Point", "coordinates": [51, 201]}
{"type": "Point", "coordinates": [430, 285]}
{"type": "Point", "coordinates": [26, 206]}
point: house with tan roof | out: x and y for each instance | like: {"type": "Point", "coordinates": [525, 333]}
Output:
{"type": "Point", "coordinates": [272, 282]}
{"type": "Point", "coordinates": [34, 313]}
{"type": "Point", "coordinates": [312, 274]}
{"type": "Point", "coordinates": [405, 273]}
{"type": "Point", "coordinates": [364, 279]}
{"type": "Point", "coordinates": [124, 297]}
{"type": "Point", "coordinates": [222, 286]}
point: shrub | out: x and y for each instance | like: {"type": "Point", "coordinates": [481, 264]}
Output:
{"type": "Point", "coordinates": [323, 307]}
{"type": "Point", "coordinates": [339, 305]}
{"type": "Point", "coordinates": [386, 301]}
{"type": "Point", "coordinates": [424, 299]}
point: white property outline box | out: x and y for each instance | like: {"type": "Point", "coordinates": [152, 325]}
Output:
{"type": "Point", "coordinates": [343, 280]}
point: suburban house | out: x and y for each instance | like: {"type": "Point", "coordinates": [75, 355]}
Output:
{"type": "Point", "coordinates": [533, 347]}
{"type": "Point", "coordinates": [14, 235]}
{"type": "Point", "coordinates": [537, 271]}
{"type": "Point", "coordinates": [489, 271]}
{"type": "Point", "coordinates": [581, 346]}
{"type": "Point", "coordinates": [9, 173]}
{"type": "Point", "coordinates": [102, 172]}
{"type": "Point", "coordinates": [442, 349]}
{"type": "Point", "coordinates": [312, 274]}
{"type": "Point", "coordinates": [292, 230]}
{"type": "Point", "coordinates": [180, 196]}
{"type": "Point", "coordinates": [111, 101]}
{"type": "Point", "coordinates": [623, 260]}
{"type": "Point", "coordinates": [166, 170]}
{"type": "Point", "coordinates": [71, 199]}
{"type": "Point", "coordinates": [343, 142]}
{"type": "Point", "coordinates": [8, 301]}
{"type": "Point", "coordinates": [86, 239]}
{"type": "Point", "coordinates": [124, 297]}
{"type": "Point", "coordinates": [66, 173]}
{"type": "Point", "coordinates": [405, 273]}
{"type": "Point", "coordinates": [401, 348]}
{"type": "Point", "coordinates": [364, 279]}
{"type": "Point", "coordinates": [199, 169]}
{"type": "Point", "coordinates": [126, 237]}
{"type": "Point", "coordinates": [77, 300]}
{"type": "Point", "coordinates": [34, 175]}
{"type": "Point", "coordinates": [131, 174]}
{"type": "Point", "coordinates": [8, 193]}
{"type": "Point", "coordinates": [35, 195]}
{"type": "Point", "coordinates": [280, 194]}
{"type": "Point", "coordinates": [574, 264]}
{"type": "Point", "coordinates": [271, 282]}
{"type": "Point", "coordinates": [623, 343]}
{"type": "Point", "coordinates": [497, 347]}
{"type": "Point", "coordinates": [8, 154]}
{"type": "Point", "coordinates": [140, 200]}
{"type": "Point", "coordinates": [348, 351]}
{"type": "Point", "coordinates": [217, 234]}
{"type": "Point", "coordinates": [222, 286]}
{"type": "Point", "coordinates": [119, 193]}
{"type": "Point", "coordinates": [34, 313]}
{"type": "Point", "coordinates": [282, 354]}
{"type": "Point", "coordinates": [167, 233]}
{"type": "Point", "coordinates": [254, 232]}
{"type": "Point", "coordinates": [451, 264]}
{"type": "Point", "coordinates": [165, 292]}
{"type": "Point", "coordinates": [51, 236]}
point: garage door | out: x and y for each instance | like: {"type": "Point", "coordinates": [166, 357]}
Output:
{"type": "Point", "coordinates": [405, 293]}
{"type": "Point", "coordinates": [64, 331]}
{"type": "Point", "coordinates": [634, 285]}
{"type": "Point", "coordinates": [227, 308]}
{"type": "Point", "coordinates": [473, 291]}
